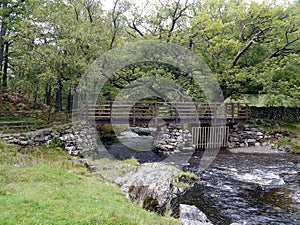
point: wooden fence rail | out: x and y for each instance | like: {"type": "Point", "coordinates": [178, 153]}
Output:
{"type": "Point", "coordinates": [127, 112]}
{"type": "Point", "coordinates": [28, 121]}
{"type": "Point", "coordinates": [174, 112]}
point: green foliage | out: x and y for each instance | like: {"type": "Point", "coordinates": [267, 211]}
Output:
{"type": "Point", "coordinates": [56, 143]}
{"type": "Point", "coordinates": [252, 48]}
{"type": "Point", "coordinates": [105, 131]}
{"type": "Point", "coordinates": [238, 44]}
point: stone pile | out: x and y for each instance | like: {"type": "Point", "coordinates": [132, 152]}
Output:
{"type": "Point", "coordinates": [76, 140]}
{"type": "Point", "coordinates": [172, 139]}
{"type": "Point", "coordinates": [244, 135]}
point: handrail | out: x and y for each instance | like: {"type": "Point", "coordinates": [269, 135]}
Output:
{"type": "Point", "coordinates": [134, 111]}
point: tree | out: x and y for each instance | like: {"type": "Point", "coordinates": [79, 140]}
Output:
{"type": "Point", "coordinates": [237, 38]}
{"type": "Point", "coordinates": [11, 12]}
{"type": "Point", "coordinates": [160, 21]}
{"type": "Point", "coordinates": [252, 48]}
{"type": "Point", "coordinates": [63, 37]}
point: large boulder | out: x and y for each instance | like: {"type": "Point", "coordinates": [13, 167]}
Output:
{"type": "Point", "coordinates": [154, 185]}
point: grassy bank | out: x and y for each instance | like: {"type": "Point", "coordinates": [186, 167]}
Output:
{"type": "Point", "coordinates": [292, 130]}
{"type": "Point", "coordinates": [290, 133]}
{"type": "Point", "coordinates": [41, 185]}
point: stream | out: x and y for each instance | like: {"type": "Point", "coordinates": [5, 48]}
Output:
{"type": "Point", "coordinates": [249, 189]}
{"type": "Point", "coordinates": [244, 188]}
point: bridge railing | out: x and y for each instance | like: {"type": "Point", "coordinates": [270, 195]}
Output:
{"type": "Point", "coordinates": [118, 111]}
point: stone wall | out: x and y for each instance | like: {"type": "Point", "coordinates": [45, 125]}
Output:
{"type": "Point", "coordinates": [172, 139]}
{"type": "Point", "coordinates": [244, 135]}
{"type": "Point", "coordinates": [76, 140]}
{"type": "Point", "coordinates": [80, 140]}
{"type": "Point", "coordinates": [276, 113]}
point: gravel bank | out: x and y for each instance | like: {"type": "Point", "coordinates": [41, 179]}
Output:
{"type": "Point", "coordinates": [260, 149]}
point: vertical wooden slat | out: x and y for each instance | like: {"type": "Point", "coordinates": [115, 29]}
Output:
{"type": "Point", "coordinates": [133, 114]}
{"type": "Point", "coordinates": [232, 112]}
{"type": "Point", "coordinates": [110, 111]}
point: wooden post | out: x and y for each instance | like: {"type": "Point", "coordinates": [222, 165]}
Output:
{"type": "Point", "coordinates": [248, 110]}
{"type": "Point", "coordinates": [133, 114]}
{"type": "Point", "coordinates": [176, 114]}
{"type": "Point", "coordinates": [110, 112]}
{"type": "Point", "coordinates": [155, 112]}
{"type": "Point", "coordinates": [232, 112]}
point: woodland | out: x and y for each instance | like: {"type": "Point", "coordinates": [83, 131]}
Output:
{"type": "Point", "coordinates": [253, 48]}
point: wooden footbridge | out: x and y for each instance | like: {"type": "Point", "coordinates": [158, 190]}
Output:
{"type": "Point", "coordinates": [126, 112]}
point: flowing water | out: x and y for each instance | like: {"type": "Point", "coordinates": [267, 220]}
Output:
{"type": "Point", "coordinates": [246, 188]}
{"type": "Point", "coordinates": [249, 189]}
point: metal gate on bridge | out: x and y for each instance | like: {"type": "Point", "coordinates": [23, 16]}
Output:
{"type": "Point", "coordinates": [210, 137]}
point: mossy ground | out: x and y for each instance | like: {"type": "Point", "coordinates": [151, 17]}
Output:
{"type": "Point", "coordinates": [295, 146]}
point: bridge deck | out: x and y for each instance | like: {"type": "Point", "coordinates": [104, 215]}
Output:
{"type": "Point", "coordinates": [167, 112]}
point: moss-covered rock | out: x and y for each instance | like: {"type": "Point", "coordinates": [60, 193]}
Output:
{"type": "Point", "coordinates": [154, 185]}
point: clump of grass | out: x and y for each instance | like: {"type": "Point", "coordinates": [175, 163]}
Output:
{"type": "Point", "coordinates": [56, 143]}
{"type": "Point", "coordinates": [184, 179]}
{"type": "Point", "coordinates": [132, 161]}
{"type": "Point", "coordinates": [295, 147]}
{"type": "Point", "coordinates": [186, 175]}
{"type": "Point", "coordinates": [181, 185]}
{"type": "Point", "coordinates": [291, 129]}
{"type": "Point", "coordinates": [34, 156]}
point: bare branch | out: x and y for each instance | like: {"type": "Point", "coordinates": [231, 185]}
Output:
{"type": "Point", "coordinates": [254, 40]}
{"type": "Point", "coordinates": [283, 50]}
{"type": "Point", "coordinates": [135, 28]}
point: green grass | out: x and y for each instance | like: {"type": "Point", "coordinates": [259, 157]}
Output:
{"type": "Point", "coordinates": [295, 147]}
{"type": "Point", "coordinates": [42, 186]}
{"type": "Point", "coordinates": [184, 179]}
{"type": "Point", "coordinates": [293, 128]}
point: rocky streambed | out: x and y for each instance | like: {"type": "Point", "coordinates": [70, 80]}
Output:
{"type": "Point", "coordinates": [235, 189]}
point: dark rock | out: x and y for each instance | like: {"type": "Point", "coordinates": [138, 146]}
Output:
{"type": "Point", "coordinates": [46, 132]}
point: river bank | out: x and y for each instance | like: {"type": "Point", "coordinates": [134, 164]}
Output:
{"type": "Point", "coordinates": [44, 185]}
{"type": "Point", "coordinates": [143, 181]}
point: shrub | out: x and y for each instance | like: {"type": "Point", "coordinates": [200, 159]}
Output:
{"type": "Point", "coordinates": [56, 143]}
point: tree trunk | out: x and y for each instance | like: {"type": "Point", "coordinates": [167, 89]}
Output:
{"type": "Point", "coordinates": [58, 102]}
{"type": "Point", "coordinates": [69, 101]}
{"type": "Point", "coordinates": [2, 41]}
{"type": "Point", "coordinates": [5, 66]}
{"type": "Point", "coordinates": [75, 98]}
{"type": "Point", "coordinates": [48, 95]}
